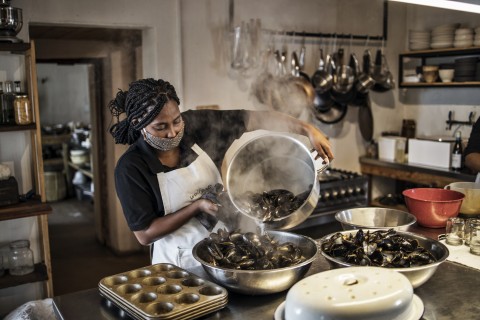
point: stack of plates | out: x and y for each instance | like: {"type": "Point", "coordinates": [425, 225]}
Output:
{"type": "Point", "coordinates": [476, 40]}
{"type": "Point", "coordinates": [419, 40]}
{"type": "Point", "coordinates": [465, 69]}
{"type": "Point", "coordinates": [463, 38]}
{"type": "Point", "coordinates": [163, 291]}
{"type": "Point", "coordinates": [443, 36]}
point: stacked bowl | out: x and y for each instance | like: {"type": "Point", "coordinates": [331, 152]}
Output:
{"type": "Point", "coordinates": [476, 40]}
{"type": "Point", "coordinates": [443, 36]}
{"type": "Point", "coordinates": [465, 69]}
{"type": "Point", "coordinates": [419, 40]}
{"type": "Point", "coordinates": [463, 38]}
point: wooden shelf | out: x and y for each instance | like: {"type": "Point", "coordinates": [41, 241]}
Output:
{"type": "Point", "coordinates": [38, 274]}
{"type": "Point", "coordinates": [85, 171]}
{"type": "Point", "coordinates": [421, 58]}
{"type": "Point", "coordinates": [440, 84]}
{"type": "Point", "coordinates": [55, 139]}
{"type": "Point", "coordinates": [30, 208]}
{"type": "Point", "coordinates": [442, 52]}
{"type": "Point", "coordinates": [21, 47]}
{"type": "Point", "coordinates": [34, 208]}
{"type": "Point", "coordinates": [7, 128]}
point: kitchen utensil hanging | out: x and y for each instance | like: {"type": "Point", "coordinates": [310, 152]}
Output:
{"type": "Point", "coordinates": [365, 120]}
{"type": "Point", "coordinates": [381, 73]}
{"type": "Point", "coordinates": [332, 112]}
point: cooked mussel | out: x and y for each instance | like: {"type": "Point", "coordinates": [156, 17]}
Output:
{"type": "Point", "coordinates": [273, 204]}
{"type": "Point", "coordinates": [250, 251]}
{"type": "Point", "coordinates": [378, 248]}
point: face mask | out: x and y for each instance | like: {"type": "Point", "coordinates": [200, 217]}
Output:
{"type": "Point", "coordinates": [163, 144]}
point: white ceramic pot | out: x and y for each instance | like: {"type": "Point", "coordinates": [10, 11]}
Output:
{"type": "Point", "coordinates": [471, 190]}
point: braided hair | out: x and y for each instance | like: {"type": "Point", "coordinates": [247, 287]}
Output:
{"type": "Point", "coordinates": [142, 102]}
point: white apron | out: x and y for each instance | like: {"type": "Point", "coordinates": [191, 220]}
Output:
{"type": "Point", "coordinates": [179, 188]}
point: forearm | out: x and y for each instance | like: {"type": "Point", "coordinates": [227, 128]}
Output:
{"type": "Point", "coordinates": [472, 161]}
{"type": "Point", "coordinates": [275, 121]}
{"type": "Point", "coordinates": [167, 224]}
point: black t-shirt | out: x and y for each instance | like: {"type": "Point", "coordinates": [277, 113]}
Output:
{"type": "Point", "coordinates": [474, 140]}
{"type": "Point", "coordinates": [136, 171]}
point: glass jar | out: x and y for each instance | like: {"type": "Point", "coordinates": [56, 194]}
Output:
{"type": "Point", "coordinates": [23, 111]}
{"type": "Point", "coordinates": [2, 265]}
{"type": "Point", "coordinates": [7, 99]}
{"type": "Point", "coordinates": [20, 258]}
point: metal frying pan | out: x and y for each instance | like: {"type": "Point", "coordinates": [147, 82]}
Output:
{"type": "Point", "coordinates": [331, 114]}
{"type": "Point", "coordinates": [365, 120]}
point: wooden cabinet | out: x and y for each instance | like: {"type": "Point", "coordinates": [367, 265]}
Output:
{"type": "Point", "coordinates": [18, 61]}
{"type": "Point", "coordinates": [421, 175]}
{"type": "Point", "coordinates": [413, 59]}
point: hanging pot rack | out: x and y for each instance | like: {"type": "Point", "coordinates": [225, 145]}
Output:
{"type": "Point", "coordinates": [306, 34]}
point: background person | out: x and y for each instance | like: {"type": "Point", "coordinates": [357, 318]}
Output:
{"type": "Point", "coordinates": [472, 151]}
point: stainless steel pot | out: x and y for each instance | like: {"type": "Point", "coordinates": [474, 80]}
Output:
{"type": "Point", "coordinates": [274, 161]}
{"type": "Point", "coordinates": [11, 19]}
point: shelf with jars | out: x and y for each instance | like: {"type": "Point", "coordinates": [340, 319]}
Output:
{"type": "Point", "coordinates": [20, 134]}
{"type": "Point", "coordinates": [463, 65]}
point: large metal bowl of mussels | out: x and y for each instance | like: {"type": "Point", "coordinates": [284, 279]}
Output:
{"type": "Point", "coordinates": [415, 256]}
{"type": "Point", "coordinates": [254, 264]}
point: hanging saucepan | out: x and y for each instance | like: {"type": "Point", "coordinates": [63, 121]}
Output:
{"type": "Point", "coordinates": [342, 96]}
{"type": "Point", "coordinates": [280, 163]}
{"type": "Point", "coordinates": [322, 79]}
{"type": "Point", "coordinates": [332, 113]}
{"type": "Point", "coordinates": [296, 70]}
{"type": "Point", "coordinates": [343, 77]}
{"type": "Point", "coordinates": [365, 120]}
{"type": "Point", "coordinates": [364, 80]}
{"type": "Point", "coordinates": [381, 74]}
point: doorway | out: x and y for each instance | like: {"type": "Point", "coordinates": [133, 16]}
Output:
{"type": "Point", "coordinates": [84, 64]}
{"type": "Point", "coordinates": [70, 93]}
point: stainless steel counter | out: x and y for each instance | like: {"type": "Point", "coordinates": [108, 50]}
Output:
{"type": "Point", "coordinates": [452, 293]}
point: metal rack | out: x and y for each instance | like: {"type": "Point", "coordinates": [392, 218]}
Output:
{"type": "Point", "coordinates": [382, 37]}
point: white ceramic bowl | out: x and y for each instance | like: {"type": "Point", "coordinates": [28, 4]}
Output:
{"type": "Point", "coordinates": [358, 293]}
{"type": "Point", "coordinates": [79, 156]}
{"type": "Point", "coordinates": [446, 74]}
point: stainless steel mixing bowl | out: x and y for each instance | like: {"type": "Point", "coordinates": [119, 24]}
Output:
{"type": "Point", "coordinates": [417, 275]}
{"type": "Point", "coordinates": [375, 218]}
{"type": "Point", "coordinates": [260, 282]}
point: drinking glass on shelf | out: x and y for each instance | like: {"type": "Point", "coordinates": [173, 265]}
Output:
{"type": "Point", "coordinates": [475, 238]}
{"type": "Point", "coordinates": [454, 231]}
{"type": "Point", "coordinates": [468, 223]}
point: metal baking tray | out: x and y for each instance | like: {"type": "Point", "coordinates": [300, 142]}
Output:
{"type": "Point", "coordinates": [163, 291]}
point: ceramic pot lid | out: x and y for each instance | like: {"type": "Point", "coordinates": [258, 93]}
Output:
{"type": "Point", "coordinates": [358, 293]}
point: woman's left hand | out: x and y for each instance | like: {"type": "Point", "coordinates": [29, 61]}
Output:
{"type": "Point", "coordinates": [319, 142]}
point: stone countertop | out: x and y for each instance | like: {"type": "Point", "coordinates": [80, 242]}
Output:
{"type": "Point", "coordinates": [451, 293]}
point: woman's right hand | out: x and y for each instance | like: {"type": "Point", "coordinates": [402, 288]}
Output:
{"type": "Point", "coordinates": [207, 206]}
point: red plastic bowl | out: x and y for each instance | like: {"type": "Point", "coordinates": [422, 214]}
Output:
{"type": "Point", "coordinates": [433, 206]}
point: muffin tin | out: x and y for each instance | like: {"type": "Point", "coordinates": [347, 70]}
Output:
{"type": "Point", "coordinates": [163, 291]}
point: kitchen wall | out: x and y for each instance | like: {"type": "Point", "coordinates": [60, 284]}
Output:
{"type": "Point", "coordinates": [186, 42]}
{"type": "Point", "coordinates": [63, 93]}
{"type": "Point", "coordinates": [430, 107]}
